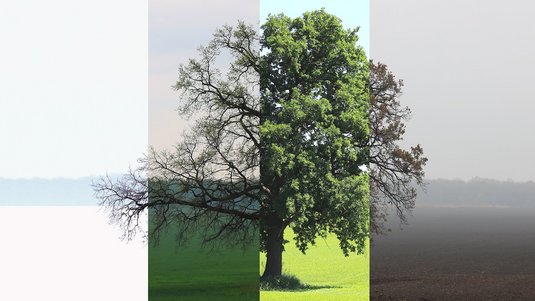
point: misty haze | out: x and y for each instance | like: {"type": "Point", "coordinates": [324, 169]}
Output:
{"type": "Point", "coordinates": [465, 240]}
{"type": "Point", "coordinates": [48, 192]}
{"type": "Point", "coordinates": [468, 72]}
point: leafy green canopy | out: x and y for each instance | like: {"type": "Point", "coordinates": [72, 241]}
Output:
{"type": "Point", "coordinates": [314, 129]}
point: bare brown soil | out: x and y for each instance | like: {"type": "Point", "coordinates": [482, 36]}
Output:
{"type": "Point", "coordinates": [457, 255]}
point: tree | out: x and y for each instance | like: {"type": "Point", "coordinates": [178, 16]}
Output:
{"type": "Point", "coordinates": [394, 172]}
{"type": "Point", "coordinates": [314, 134]}
{"type": "Point", "coordinates": [281, 140]}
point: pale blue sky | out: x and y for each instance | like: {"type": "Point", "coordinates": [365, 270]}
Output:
{"type": "Point", "coordinates": [353, 13]}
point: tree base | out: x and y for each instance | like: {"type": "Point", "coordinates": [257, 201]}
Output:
{"type": "Point", "coordinates": [281, 283]}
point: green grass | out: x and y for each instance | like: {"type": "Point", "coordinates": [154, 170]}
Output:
{"type": "Point", "coordinates": [329, 274]}
{"type": "Point", "coordinates": [196, 274]}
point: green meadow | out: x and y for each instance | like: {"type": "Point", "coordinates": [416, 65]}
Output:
{"type": "Point", "coordinates": [195, 273]}
{"type": "Point", "coordinates": [334, 276]}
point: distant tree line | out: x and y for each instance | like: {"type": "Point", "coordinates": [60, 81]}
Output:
{"type": "Point", "coordinates": [478, 192]}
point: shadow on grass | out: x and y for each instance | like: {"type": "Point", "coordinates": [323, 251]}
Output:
{"type": "Point", "coordinates": [287, 283]}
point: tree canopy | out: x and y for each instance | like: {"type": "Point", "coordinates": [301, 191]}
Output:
{"type": "Point", "coordinates": [314, 132]}
{"type": "Point", "coordinates": [282, 139]}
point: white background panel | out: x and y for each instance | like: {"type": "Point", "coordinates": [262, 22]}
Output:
{"type": "Point", "coordinates": [68, 253]}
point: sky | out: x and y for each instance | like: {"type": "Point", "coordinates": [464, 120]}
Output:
{"type": "Point", "coordinates": [74, 87]}
{"type": "Point", "coordinates": [355, 13]}
{"type": "Point", "coordinates": [176, 29]}
{"type": "Point", "coordinates": [74, 74]}
{"type": "Point", "coordinates": [74, 98]}
{"type": "Point", "coordinates": [468, 73]}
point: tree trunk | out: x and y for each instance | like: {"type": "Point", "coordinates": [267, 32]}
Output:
{"type": "Point", "coordinates": [274, 248]}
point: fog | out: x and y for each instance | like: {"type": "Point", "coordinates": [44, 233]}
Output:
{"type": "Point", "coordinates": [477, 192]}
{"type": "Point", "coordinates": [465, 240]}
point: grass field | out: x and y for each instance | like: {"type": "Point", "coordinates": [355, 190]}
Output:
{"type": "Point", "coordinates": [195, 274]}
{"type": "Point", "coordinates": [342, 278]}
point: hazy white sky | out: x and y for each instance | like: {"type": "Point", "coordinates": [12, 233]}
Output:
{"type": "Point", "coordinates": [468, 71]}
{"type": "Point", "coordinates": [74, 87]}
{"type": "Point", "coordinates": [176, 30]}
{"type": "Point", "coordinates": [74, 74]}
{"type": "Point", "coordinates": [74, 78]}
